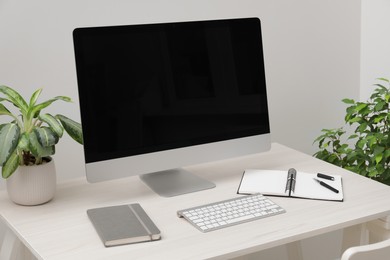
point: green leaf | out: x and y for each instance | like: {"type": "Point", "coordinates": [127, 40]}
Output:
{"type": "Point", "coordinates": [34, 97]}
{"type": "Point", "coordinates": [34, 111]}
{"type": "Point", "coordinates": [53, 123]}
{"type": "Point", "coordinates": [379, 150]}
{"type": "Point", "coordinates": [354, 120]}
{"type": "Point", "coordinates": [350, 110]}
{"type": "Point", "coordinates": [72, 128]}
{"type": "Point", "coordinates": [11, 165]}
{"type": "Point", "coordinates": [352, 156]}
{"type": "Point", "coordinates": [348, 101]}
{"type": "Point", "coordinates": [15, 98]}
{"type": "Point", "coordinates": [9, 136]}
{"type": "Point", "coordinates": [378, 158]}
{"type": "Point", "coordinates": [380, 87]}
{"type": "Point", "coordinates": [372, 173]}
{"type": "Point", "coordinates": [379, 106]}
{"type": "Point", "coordinates": [37, 149]}
{"type": "Point", "coordinates": [319, 138]}
{"type": "Point", "coordinates": [383, 79]}
{"type": "Point", "coordinates": [361, 106]}
{"type": "Point", "coordinates": [362, 127]}
{"type": "Point", "coordinates": [352, 136]}
{"type": "Point", "coordinates": [24, 142]}
{"type": "Point", "coordinates": [361, 143]}
{"type": "Point", "coordinates": [387, 154]}
{"type": "Point", "coordinates": [332, 158]}
{"type": "Point", "coordinates": [379, 118]}
{"type": "Point", "coordinates": [4, 110]}
{"type": "Point", "coordinates": [46, 136]}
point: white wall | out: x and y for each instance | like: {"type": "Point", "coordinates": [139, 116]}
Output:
{"type": "Point", "coordinates": [375, 44]}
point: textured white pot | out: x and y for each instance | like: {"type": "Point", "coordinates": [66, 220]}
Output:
{"type": "Point", "coordinates": [32, 185]}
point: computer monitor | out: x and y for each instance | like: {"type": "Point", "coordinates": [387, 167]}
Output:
{"type": "Point", "coordinates": [155, 98]}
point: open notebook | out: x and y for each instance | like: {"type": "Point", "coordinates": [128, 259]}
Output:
{"type": "Point", "coordinates": [281, 183]}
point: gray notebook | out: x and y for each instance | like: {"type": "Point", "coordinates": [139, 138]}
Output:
{"type": "Point", "coordinates": [124, 224]}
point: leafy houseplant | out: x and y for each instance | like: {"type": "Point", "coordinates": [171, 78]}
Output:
{"type": "Point", "coordinates": [31, 136]}
{"type": "Point", "coordinates": [370, 153]}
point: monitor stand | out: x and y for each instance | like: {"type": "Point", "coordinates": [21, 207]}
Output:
{"type": "Point", "coordinates": [175, 182]}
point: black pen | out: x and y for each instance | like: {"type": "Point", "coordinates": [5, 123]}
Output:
{"type": "Point", "coordinates": [326, 185]}
{"type": "Point", "coordinates": [324, 176]}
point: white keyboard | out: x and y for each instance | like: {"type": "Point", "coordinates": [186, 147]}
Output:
{"type": "Point", "coordinates": [230, 212]}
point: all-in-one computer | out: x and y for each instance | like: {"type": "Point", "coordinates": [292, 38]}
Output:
{"type": "Point", "coordinates": [158, 97]}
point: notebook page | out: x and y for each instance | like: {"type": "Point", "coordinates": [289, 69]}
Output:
{"type": "Point", "coordinates": [306, 187]}
{"type": "Point", "coordinates": [267, 182]}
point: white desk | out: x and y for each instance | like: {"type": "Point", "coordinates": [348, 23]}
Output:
{"type": "Point", "coordinates": [62, 230]}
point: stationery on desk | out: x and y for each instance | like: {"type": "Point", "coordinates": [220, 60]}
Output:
{"type": "Point", "coordinates": [292, 183]}
{"type": "Point", "coordinates": [123, 224]}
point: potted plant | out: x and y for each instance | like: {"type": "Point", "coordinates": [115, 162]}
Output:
{"type": "Point", "coordinates": [27, 144]}
{"type": "Point", "coordinates": [370, 151]}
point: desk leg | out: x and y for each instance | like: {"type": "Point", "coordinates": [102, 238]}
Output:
{"type": "Point", "coordinates": [294, 250]}
{"type": "Point", "coordinates": [27, 255]}
{"type": "Point", "coordinates": [354, 236]}
{"type": "Point", "coordinates": [9, 247]}
{"type": "Point", "coordinates": [13, 249]}
{"type": "Point", "coordinates": [379, 229]}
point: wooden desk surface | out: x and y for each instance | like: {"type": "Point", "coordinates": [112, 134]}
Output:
{"type": "Point", "coordinates": [62, 230]}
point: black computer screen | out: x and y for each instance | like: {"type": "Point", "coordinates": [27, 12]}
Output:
{"type": "Point", "coordinates": [149, 88]}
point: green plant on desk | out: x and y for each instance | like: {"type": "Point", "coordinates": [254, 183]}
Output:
{"type": "Point", "coordinates": [370, 154]}
{"type": "Point", "coordinates": [31, 136]}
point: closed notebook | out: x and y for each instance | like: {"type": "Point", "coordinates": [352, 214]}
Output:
{"type": "Point", "coordinates": [300, 185]}
{"type": "Point", "coordinates": [123, 224]}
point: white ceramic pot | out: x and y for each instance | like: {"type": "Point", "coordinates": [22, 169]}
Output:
{"type": "Point", "coordinates": [32, 185]}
